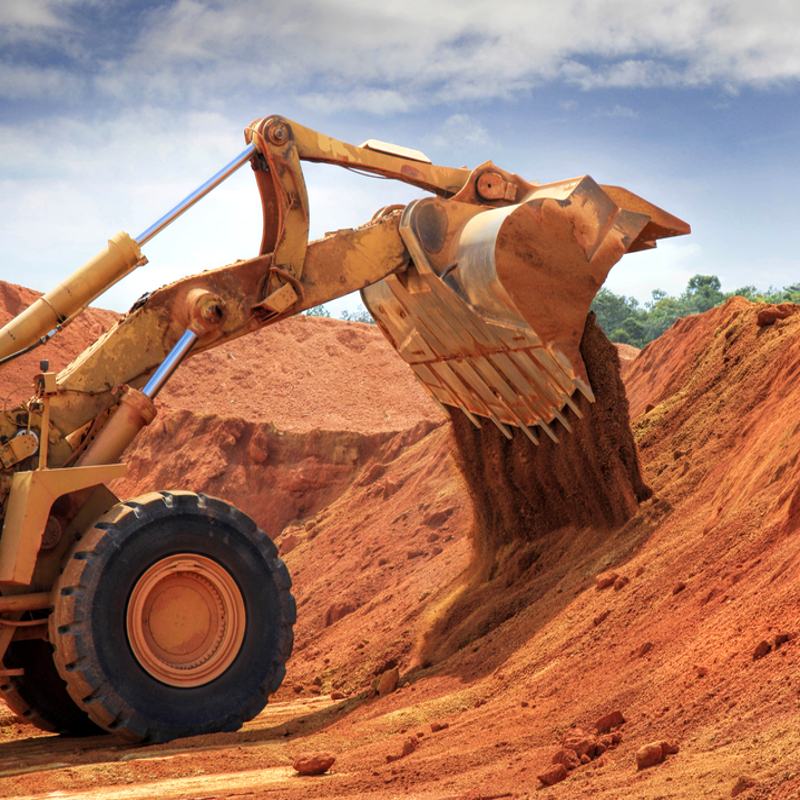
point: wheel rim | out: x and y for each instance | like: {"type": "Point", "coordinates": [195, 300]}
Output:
{"type": "Point", "coordinates": [186, 620]}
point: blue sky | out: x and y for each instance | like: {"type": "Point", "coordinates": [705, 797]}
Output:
{"type": "Point", "coordinates": [111, 112]}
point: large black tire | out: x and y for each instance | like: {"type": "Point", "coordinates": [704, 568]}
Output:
{"type": "Point", "coordinates": [40, 696]}
{"type": "Point", "coordinates": [173, 617]}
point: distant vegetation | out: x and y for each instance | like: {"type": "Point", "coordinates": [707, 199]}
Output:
{"type": "Point", "coordinates": [362, 315]}
{"type": "Point", "coordinates": [624, 320]}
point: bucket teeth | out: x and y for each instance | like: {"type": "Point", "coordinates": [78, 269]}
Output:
{"type": "Point", "coordinates": [504, 429]}
{"type": "Point", "coordinates": [528, 432]}
{"type": "Point", "coordinates": [548, 430]}
{"type": "Point", "coordinates": [470, 417]}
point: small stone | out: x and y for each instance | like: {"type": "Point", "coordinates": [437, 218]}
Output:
{"type": "Point", "coordinates": [338, 695]}
{"type": "Point", "coordinates": [554, 774]}
{"type": "Point", "coordinates": [409, 746]}
{"type": "Point", "coordinates": [335, 612]}
{"type": "Point", "coordinates": [606, 740]}
{"type": "Point", "coordinates": [762, 648]}
{"type": "Point", "coordinates": [669, 748]}
{"type": "Point", "coordinates": [313, 763]}
{"type": "Point", "coordinates": [772, 314]}
{"type": "Point", "coordinates": [288, 543]}
{"type": "Point", "coordinates": [606, 579]}
{"type": "Point", "coordinates": [643, 649]}
{"type": "Point", "coordinates": [601, 617]}
{"type": "Point", "coordinates": [649, 755]}
{"type": "Point", "coordinates": [781, 638]}
{"type": "Point", "coordinates": [568, 757]}
{"type": "Point", "coordinates": [579, 741]}
{"type": "Point", "coordinates": [616, 737]}
{"type": "Point", "coordinates": [679, 587]}
{"type": "Point", "coordinates": [701, 671]}
{"type": "Point", "coordinates": [621, 582]}
{"type": "Point", "coordinates": [743, 783]}
{"type": "Point", "coordinates": [599, 749]}
{"type": "Point", "coordinates": [608, 721]}
{"type": "Point", "coordinates": [258, 449]}
{"type": "Point", "coordinates": [438, 518]}
{"type": "Point", "coordinates": [390, 487]}
{"type": "Point", "coordinates": [439, 726]}
{"type": "Point", "coordinates": [388, 681]}
{"type": "Point", "coordinates": [585, 759]}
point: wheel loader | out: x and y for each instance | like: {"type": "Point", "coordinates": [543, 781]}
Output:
{"type": "Point", "coordinates": [170, 614]}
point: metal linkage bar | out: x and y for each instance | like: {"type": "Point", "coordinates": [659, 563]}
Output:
{"type": "Point", "coordinates": [197, 194]}
{"type": "Point", "coordinates": [169, 364]}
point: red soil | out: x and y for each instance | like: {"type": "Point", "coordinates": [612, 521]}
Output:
{"type": "Point", "coordinates": [693, 638]}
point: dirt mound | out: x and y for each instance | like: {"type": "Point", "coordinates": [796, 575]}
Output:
{"type": "Point", "coordinates": [683, 618]}
{"type": "Point", "coordinates": [719, 393]}
{"type": "Point", "coordinates": [302, 374]}
{"type": "Point", "coordinates": [627, 354]}
{"type": "Point", "coordinates": [277, 477]}
{"type": "Point", "coordinates": [305, 374]}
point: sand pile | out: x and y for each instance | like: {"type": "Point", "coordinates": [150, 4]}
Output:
{"type": "Point", "coordinates": [717, 397]}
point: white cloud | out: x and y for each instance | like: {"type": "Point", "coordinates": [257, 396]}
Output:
{"type": "Point", "coordinates": [167, 95]}
{"type": "Point", "coordinates": [391, 57]}
{"type": "Point", "coordinates": [460, 127]}
{"type": "Point", "coordinates": [23, 82]}
{"type": "Point", "coordinates": [29, 15]}
{"type": "Point", "coordinates": [373, 101]}
{"type": "Point", "coordinates": [618, 111]}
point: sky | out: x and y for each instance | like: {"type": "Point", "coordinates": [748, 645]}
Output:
{"type": "Point", "coordinates": [112, 111]}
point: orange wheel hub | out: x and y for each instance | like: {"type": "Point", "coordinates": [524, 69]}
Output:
{"type": "Point", "coordinates": [186, 620]}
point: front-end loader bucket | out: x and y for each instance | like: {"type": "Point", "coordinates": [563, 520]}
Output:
{"type": "Point", "coordinates": [490, 312]}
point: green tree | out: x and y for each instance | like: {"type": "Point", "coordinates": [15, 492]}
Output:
{"type": "Point", "coordinates": [612, 310]}
{"type": "Point", "coordinates": [317, 311]}
{"type": "Point", "coordinates": [662, 311]}
{"type": "Point", "coordinates": [632, 331]}
{"type": "Point", "coordinates": [361, 315]}
{"type": "Point", "coordinates": [703, 292]}
{"type": "Point", "coordinates": [623, 321]}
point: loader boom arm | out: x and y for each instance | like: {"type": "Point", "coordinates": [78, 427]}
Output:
{"type": "Point", "coordinates": [482, 289]}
